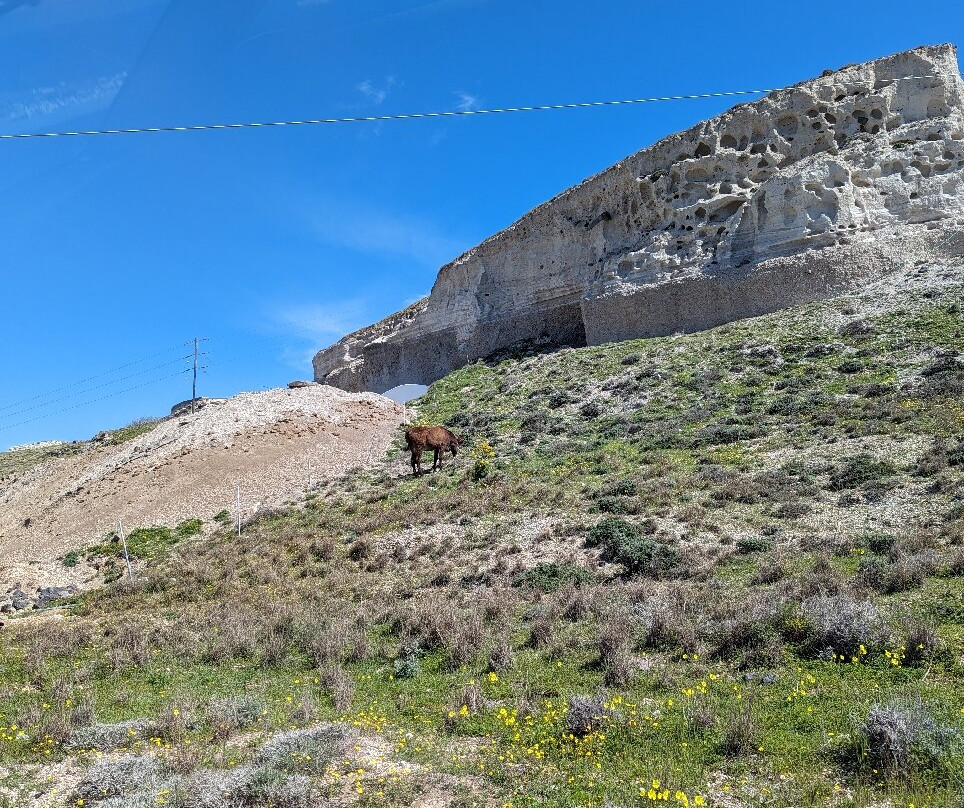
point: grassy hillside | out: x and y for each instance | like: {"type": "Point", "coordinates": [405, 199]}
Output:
{"type": "Point", "coordinates": [723, 568]}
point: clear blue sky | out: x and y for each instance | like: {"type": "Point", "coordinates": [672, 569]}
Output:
{"type": "Point", "coordinates": [273, 243]}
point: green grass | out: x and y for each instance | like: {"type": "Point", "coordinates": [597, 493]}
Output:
{"type": "Point", "coordinates": [703, 447]}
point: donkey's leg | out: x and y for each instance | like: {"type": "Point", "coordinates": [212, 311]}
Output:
{"type": "Point", "coordinates": [437, 459]}
{"type": "Point", "coordinates": [415, 461]}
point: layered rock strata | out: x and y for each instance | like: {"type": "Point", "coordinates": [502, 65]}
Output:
{"type": "Point", "coordinates": [801, 194]}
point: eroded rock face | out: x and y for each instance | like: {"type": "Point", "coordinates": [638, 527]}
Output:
{"type": "Point", "coordinates": [791, 198]}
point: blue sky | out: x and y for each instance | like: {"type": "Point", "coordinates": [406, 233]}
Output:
{"type": "Point", "coordinates": [273, 243]}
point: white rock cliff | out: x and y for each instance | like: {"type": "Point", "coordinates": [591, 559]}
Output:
{"type": "Point", "coordinates": [793, 197]}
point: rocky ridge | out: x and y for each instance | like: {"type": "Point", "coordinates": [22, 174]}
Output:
{"type": "Point", "coordinates": [802, 194]}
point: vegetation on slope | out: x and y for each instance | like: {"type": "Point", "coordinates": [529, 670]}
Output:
{"type": "Point", "coordinates": [723, 568]}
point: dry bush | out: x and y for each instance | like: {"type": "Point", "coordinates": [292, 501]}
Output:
{"type": "Point", "coordinates": [840, 624]}
{"type": "Point", "coordinates": [615, 641]}
{"type": "Point", "coordinates": [921, 643]}
{"type": "Point", "coordinates": [701, 716]}
{"type": "Point", "coordinates": [542, 630]}
{"type": "Point", "coordinates": [748, 633]}
{"type": "Point", "coordinates": [437, 622]}
{"type": "Point", "coordinates": [227, 716]}
{"type": "Point", "coordinates": [305, 711]}
{"type": "Point", "coordinates": [339, 685]}
{"type": "Point", "coordinates": [174, 721]}
{"type": "Point", "coordinates": [107, 737]}
{"type": "Point", "coordinates": [305, 751]}
{"type": "Point", "coordinates": [584, 715]}
{"type": "Point", "coordinates": [333, 640]}
{"type": "Point", "coordinates": [902, 737]}
{"type": "Point", "coordinates": [502, 656]}
{"type": "Point", "coordinates": [740, 732]}
{"type": "Point", "coordinates": [668, 623]}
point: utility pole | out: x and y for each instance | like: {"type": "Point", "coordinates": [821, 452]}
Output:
{"type": "Point", "coordinates": [194, 380]}
{"type": "Point", "coordinates": [197, 353]}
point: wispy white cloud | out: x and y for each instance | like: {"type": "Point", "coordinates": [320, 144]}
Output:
{"type": "Point", "coordinates": [61, 101]}
{"type": "Point", "coordinates": [332, 319]}
{"type": "Point", "coordinates": [373, 93]}
{"type": "Point", "coordinates": [313, 326]}
{"type": "Point", "coordinates": [466, 101]}
{"type": "Point", "coordinates": [377, 232]}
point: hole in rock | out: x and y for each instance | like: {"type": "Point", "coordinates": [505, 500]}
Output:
{"type": "Point", "coordinates": [703, 150]}
{"type": "Point", "coordinates": [726, 211]}
{"type": "Point", "coordinates": [787, 126]}
{"type": "Point", "coordinates": [728, 142]}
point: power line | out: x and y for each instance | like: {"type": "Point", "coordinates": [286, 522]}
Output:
{"type": "Point", "coordinates": [455, 113]}
{"type": "Point", "coordinates": [89, 378]}
{"type": "Point", "coordinates": [95, 387]}
{"type": "Point", "coordinates": [93, 400]}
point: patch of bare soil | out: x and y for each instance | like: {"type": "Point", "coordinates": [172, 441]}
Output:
{"type": "Point", "coordinates": [187, 467]}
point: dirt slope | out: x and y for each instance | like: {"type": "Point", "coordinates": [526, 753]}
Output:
{"type": "Point", "coordinates": [184, 468]}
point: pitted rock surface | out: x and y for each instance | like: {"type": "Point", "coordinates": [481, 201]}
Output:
{"type": "Point", "coordinates": [799, 195]}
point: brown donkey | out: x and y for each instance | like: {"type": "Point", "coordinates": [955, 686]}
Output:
{"type": "Point", "coordinates": [436, 438]}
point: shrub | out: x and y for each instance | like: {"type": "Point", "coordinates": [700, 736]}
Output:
{"type": "Point", "coordinates": [107, 737]}
{"type": "Point", "coordinates": [793, 510]}
{"type": "Point", "coordinates": [739, 731]}
{"type": "Point", "coordinates": [858, 470]}
{"type": "Point", "coordinates": [306, 751]}
{"type": "Point", "coordinates": [188, 528]}
{"type": "Point", "coordinates": [612, 505]}
{"type": "Point", "coordinates": [550, 576]}
{"type": "Point", "coordinates": [753, 544]}
{"type": "Point", "coordinates": [359, 549]}
{"type": "Point", "coordinates": [70, 558]}
{"type": "Point", "coordinates": [591, 410]}
{"type": "Point", "coordinates": [407, 665]}
{"type": "Point", "coordinates": [623, 543]}
{"type": "Point", "coordinates": [902, 737]}
{"type": "Point", "coordinates": [239, 787]}
{"type": "Point", "coordinates": [621, 488]}
{"type": "Point", "coordinates": [223, 517]}
{"type": "Point", "coordinates": [117, 777]}
{"type": "Point", "coordinates": [234, 713]}
{"type": "Point", "coordinates": [880, 543]}
{"type": "Point", "coordinates": [850, 366]}
{"type": "Point", "coordinates": [584, 714]}
{"type": "Point", "coordinates": [840, 625]}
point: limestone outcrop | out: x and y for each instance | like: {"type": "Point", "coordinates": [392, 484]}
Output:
{"type": "Point", "coordinates": [796, 196]}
